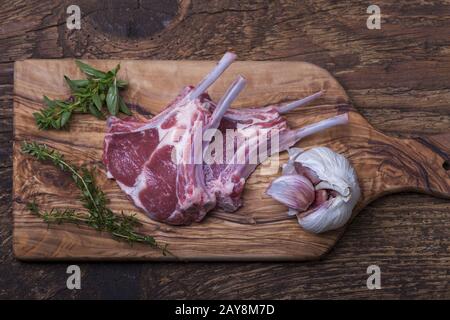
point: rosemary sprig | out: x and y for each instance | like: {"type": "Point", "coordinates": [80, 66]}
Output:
{"type": "Point", "coordinates": [57, 215]}
{"type": "Point", "coordinates": [88, 96]}
{"type": "Point", "coordinates": [98, 216]}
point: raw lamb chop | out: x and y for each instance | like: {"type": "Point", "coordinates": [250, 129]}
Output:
{"type": "Point", "coordinates": [153, 162]}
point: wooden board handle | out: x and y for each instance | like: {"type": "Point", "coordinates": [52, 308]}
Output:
{"type": "Point", "coordinates": [426, 164]}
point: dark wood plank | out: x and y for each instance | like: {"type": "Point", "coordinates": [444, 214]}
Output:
{"type": "Point", "coordinates": [397, 76]}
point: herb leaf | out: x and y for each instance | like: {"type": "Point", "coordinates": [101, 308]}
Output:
{"type": "Point", "coordinates": [65, 117]}
{"type": "Point", "coordinates": [75, 85]}
{"type": "Point", "coordinates": [88, 96]}
{"type": "Point", "coordinates": [90, 71]}
{"type": "Point", "coordinates": [112, 101]}
{"type": "Point", "coordinates": [99, 216]}
{"type": "Point", "coordinates": [123, 107]}
{"type": "Point", "coordinates": [97, 101]}
{"type": "Point", "coordinates": [48, 102]}
{"type": "Point", "coordinates": [94, 110]}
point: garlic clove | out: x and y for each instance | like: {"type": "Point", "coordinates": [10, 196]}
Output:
{"type": "Point", "coordinates": [294, 191]}
{"type": "Point", "coordinates": [288, 169]}
{"type": "Point", "coordinates": [321, 196]}
{"type": "Point", "coordinates": [307, 172]}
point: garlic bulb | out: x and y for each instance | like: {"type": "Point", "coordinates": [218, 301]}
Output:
{"type": "Point", "coordinates": [336, 189]}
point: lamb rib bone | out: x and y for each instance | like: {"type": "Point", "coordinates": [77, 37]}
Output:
{"type": "Point", "coordinates": [190, 169]}
{"type": "Point", "coordinates": [285, 108]}
{"type": "Point", "coordinates": [190, 93]}
{"type": "Point", "coordinates": [212, 77]}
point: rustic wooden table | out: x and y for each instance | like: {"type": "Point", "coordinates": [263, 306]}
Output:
{"type": "Point", "coordinates": [398, 77]}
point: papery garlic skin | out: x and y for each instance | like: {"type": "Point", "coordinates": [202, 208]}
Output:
{"type": "Point", "coordinates": [335, 173]}
{"type": "Point", "coordinates": [333, 169]}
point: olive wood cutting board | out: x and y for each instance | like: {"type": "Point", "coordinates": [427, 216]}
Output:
{"type": "Point", "coordinates": [260, 230]}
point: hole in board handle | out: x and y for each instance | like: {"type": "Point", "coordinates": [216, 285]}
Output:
{"type": "Point", "coordinates": [446, 165]}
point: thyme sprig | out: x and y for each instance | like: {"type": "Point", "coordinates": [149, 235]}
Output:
{"type": "Point", "coordinates": [88, 96]}
{"type": "Point", "coordinates": [99, 216]}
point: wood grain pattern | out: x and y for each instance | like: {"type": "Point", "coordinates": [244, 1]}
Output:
{"type": "Point", "coordinates": [258, 231]}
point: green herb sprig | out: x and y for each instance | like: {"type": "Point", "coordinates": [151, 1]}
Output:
{"type": "Point", "coordinates": [88, 96]}
{"type": "Point", "coordinates": [98, 216]}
